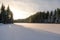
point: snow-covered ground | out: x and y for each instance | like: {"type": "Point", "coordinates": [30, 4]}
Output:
{"type": "Point", "coordinates": [29, 31]}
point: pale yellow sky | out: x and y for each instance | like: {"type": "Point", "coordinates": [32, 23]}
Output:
{"type": "Point", "coordinates": [24, 8]}
{"type": "Point", "coordinates": [20, 10]}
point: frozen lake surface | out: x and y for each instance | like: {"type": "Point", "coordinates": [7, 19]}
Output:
{"type": "Point", "coordinates": [29, 31]}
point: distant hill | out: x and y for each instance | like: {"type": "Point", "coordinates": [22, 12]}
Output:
{"type": "Point", "coordinates": [43, 17]}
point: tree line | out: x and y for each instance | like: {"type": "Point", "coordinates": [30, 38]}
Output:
{"type": "Point", "coordinates": [45, 17]}
{"type": "Point", "coordinates": [6, 15]}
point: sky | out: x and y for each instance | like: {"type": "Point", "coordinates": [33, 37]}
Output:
{"type": "Point", "coordinates": [24, 8]}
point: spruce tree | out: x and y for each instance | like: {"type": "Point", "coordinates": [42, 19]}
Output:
{"type": "Point", "coordinates": [3, 13]}
{"type": "Point", "coordinates": [9, 15]}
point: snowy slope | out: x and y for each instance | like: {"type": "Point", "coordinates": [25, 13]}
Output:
{"type": "Point", "coordinates": [29, 31]}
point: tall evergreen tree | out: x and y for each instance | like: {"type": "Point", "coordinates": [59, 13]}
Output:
{"type": "Point", "coordinates": [58, 15]}
{"type": "Point", "coordinates": [9, 15]}
{"type": "Point", "coordinates": [3, 13]}
{"type": "Point", "coordinates": [51, 16]}
{"type": "Point", "coordinates": [55, 12]}
{"type": "Point", "coordinates": [47, 15]}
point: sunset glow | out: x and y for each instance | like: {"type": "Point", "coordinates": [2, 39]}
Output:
{"type": "Point", "coordinates": [19, 14]}
{"type": "Point", "coordinates": [24, 8]}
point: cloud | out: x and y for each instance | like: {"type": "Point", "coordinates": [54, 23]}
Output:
{"type": "Point", "coordinates": [33, 5]}
{"type": "Point", "coordinates": [30, 6]}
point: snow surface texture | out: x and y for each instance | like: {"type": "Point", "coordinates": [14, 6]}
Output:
{"type": "Point", "coordinates": [29, 31]}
